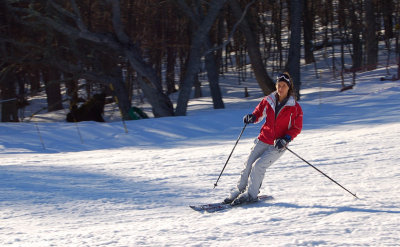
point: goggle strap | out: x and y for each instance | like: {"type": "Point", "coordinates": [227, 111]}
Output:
{"type": "Point", "coordinates": [284, 77]}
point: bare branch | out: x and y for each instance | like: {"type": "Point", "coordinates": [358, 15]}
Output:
{"type": "Point", "coordinates": [188, 12]}
{"type": "Point", "coordinates": [78, 20]}
{"type": "Point", "coordinates": [62, 10]}
{"type": "Point", "coordinates": [116, 20]}
{"type": "Point", "coordinates": [230, 36]}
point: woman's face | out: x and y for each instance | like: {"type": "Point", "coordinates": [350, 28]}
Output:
{"type": "Point", "coordinates": [282, 88]}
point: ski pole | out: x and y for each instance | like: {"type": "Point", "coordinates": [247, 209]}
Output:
{"type": "Point", "coordinates": [321, 172]}
{"type": "Point", "coordinates": [216, 183]}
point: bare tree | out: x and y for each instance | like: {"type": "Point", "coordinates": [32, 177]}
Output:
{"type": "Point", "coordinates": [264, 81]}
{"type": "Point", "coordinates": [200, 36]}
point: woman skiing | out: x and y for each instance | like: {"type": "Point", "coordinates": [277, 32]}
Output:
{"type": "Point", "coordinates": [284, 121]}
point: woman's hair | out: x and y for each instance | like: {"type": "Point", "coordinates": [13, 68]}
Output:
{"type": "Point", "coordinates": [290, 84]}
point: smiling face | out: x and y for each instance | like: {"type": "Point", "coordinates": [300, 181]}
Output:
{"type": "Point", "coordinates": [282, 88]}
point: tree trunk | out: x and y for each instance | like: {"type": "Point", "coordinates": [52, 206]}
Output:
{"type": "Point", "coordinates": [213, 79]}
{"type": "Point", "coordinates": [197, 87]}
{"type": "Point", "coordinates": [159, 101]}
{"type": "Point", "coordinates": [266, 84]}
{"type": "Point", "coordinates": [293, 64]}
{"type": "Point", "coordinates": [72, 90]}
{"type": "Point", "coordinates": [371, 39]}
{"type": "Point", "coordinates": [387, 11]}
{"type": "Point", "coordinates": [34, 79]}
{"type": "Point", "coordinates": [9, 109]}
{"type": "Point", "coordinates": [355, 33]}
{"type": "Point", "coordinates": [308, 26]}
{"type": "Point", "coordinates": [192, 68]}
{"type": "Point", "coordinates": [277, 30]}
{"type": "Point", "coordinates": [51, 79]}
{"type": "Point", "coordinates": [120, 91]}
{"type": "Point", "coordinates": [170, 73]}
{"type": "Point", "coordinates": [342, 31]}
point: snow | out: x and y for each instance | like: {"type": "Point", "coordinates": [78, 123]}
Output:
{"type": "Point", "coordinates": [93, 184]}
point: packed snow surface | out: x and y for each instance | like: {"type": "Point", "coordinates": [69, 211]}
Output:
{"type": "Point", "coordinates": [93, 184]}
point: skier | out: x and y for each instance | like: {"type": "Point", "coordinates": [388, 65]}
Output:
{"type": "Point", "coordinates": [284, 121]}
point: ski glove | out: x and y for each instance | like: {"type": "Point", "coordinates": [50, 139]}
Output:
{"type": "Point", "coordinates": [282, 143]}
{"type": "Point", "coordinates": [249, 118]}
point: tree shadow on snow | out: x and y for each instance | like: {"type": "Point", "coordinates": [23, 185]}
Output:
{"type": "Point", "coordinates": [48, 184]}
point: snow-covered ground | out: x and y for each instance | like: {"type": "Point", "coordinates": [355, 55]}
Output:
{"type": "Point", "coordinates": [93, 184]}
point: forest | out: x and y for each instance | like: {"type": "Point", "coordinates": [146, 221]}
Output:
{"type": "Point", "coordinates": [122, 48]}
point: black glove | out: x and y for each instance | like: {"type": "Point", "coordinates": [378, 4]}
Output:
{"type": "Point", "coordinates": [249, 118]}
{"type": "Point", "coordinates": [282, 143]}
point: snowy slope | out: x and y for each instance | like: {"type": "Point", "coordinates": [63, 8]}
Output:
{"type": "Point", "coordinates": [92, 184]}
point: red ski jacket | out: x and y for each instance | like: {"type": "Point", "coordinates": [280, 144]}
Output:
{"type": "Point", "coordinates": [289, 120]}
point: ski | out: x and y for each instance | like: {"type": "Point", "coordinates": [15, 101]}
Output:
{"type": "Point", "coordinates": [214, 207]}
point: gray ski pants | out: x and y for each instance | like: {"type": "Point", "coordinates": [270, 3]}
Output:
{"type": "Point", "coordinates": [261, 157]}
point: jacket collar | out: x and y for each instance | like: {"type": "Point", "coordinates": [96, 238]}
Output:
{"type": "Point", "coordinates": [271, 99]}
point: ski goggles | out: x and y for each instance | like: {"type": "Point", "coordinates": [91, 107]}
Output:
{"type": "Point", "coordinates": [283, 77]}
